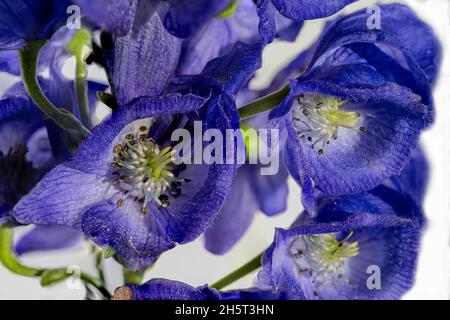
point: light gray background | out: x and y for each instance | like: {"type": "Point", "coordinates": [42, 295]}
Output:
{"type": "Point", "coordinates": [192, 264]}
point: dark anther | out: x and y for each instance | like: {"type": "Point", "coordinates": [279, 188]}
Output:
{"type": "Point", "coordinates": [362, 129]}
{"type": "Point", "coordinates": [309, 139]}
{"type": "Point", "coordinates": [187, 180]}
{"type": "Point", "coordinates": [320, 152]}
{"type": "Point", "coordinates": [108, 99]}
{"type": "Point", "coordinates": [163, 198]}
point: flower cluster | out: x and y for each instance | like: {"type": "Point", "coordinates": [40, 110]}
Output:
{"type": "Point", "coordinates": [345, 118]}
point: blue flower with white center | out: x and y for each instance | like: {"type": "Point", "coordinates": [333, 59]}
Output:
{"type": "Point", "coordinates": [357, 247]}
{"type": "Point", "coordinates": [26, 20]}
{"type": "Point", "coordinates": [130, 194]}
{"type": "Point", "coordinates": [349, 121]}
{"type": "Point", "coordinates": [162, 289]}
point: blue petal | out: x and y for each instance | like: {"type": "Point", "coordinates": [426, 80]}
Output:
{"type": "Point", "coordinates": [402, 21]}
{"type": "Point", "coordinates": [387, 237]}
{"type": "Point", "coordinates": [235, 217]}
{"type": "Point", "coordinates": [19, 118]}
{"type": "Point", "coordinates": [148, 49]}
{"type": "Point", "coordinates": [414, 178]}
{"type": "Point", "coordinates": [235, 69]}
{"type": "Point", "coordinates": [114, 16]}
{"type": "Point", "coordinates": [309, 9]}
{"type": "Point", "coordinates": [391, 50]}
{"type": "Point", "coordinates": [53, 200]}
{"type": "Point", "coordinates": [5, 212]}
{"type": "Point", "coordinates": [25, 20]}
{"type": "Point", "coordinates": [271, 191]}
{"type": "Point", "coordinates": [162, 289]}
{"type": "Point", "coordinates": [43, 238]}
{"type": "Point", "coordinates": [218, 37]}
{"type": "Point", "coordinates": [185, 17]}
{"type": "Point", "coordinates": [295, 10]}
{"type": "Point", "coordinates": [9, 62]}
{"type": "Point", "coordinates": [358, 161]}
{"type": "Point", "coordinates": [137, 240]}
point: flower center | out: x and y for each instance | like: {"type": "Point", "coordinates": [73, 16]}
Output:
{"type": "Point", "coordinates": [317, 119]}
{"type": "Point", "coordinates": [146, 172]}
{"type": "Point", "coordinates": [321, 258]}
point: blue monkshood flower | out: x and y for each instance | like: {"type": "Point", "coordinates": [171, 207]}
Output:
{"type": "Point", "coordinates": [220, 81]}
{"type": "Point", "coordinates": [351, 123]}
{"type": "Point", "coordinates": [239, 22]}
{"type": "Point", "coordinates": [299, 10]}
{"type": "Point", "coordinates": [131, 196]}
{"type": "Point", "coordinates": [210, 36]}
{"type": "Point", "coordinates": [27, 148]}
{"type": "Point", "coordinates": [44, 146]}
{"type": "Point", "coordinates": [26, 154]}
{"type": "Point", "coordinates": [392, 50]}
{"type": "Point", "coordinates": [115, 16]}
{"type": "Point", "coordinates": [26, 20]}
{"type": "Point", "coordinates": [357, 247]}
{"type": "Point", "coordinates": [162, 289]}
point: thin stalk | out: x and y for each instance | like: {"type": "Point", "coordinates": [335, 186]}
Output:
{"type": "Point", "coordinates": [8, 258]}
{"type": "Point", "coordinates": [29, 55]}
{"type": "Point", "coordinates": [247, 268]}
{"type": "Point", "coordinates": [263, 104]}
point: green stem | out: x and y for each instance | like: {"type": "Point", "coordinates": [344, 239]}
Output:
{"type": "Point", "coordinates": [263, 104]}
{"type": "Point", "coordinates": [81, 39]}
{"type": "Point", "coordinates": [82, 91]}
{"type": "Point", "coordinates": [133, 277]}
{"type": "Point", "coordinates": [98, 284]}
{"type": "Point", "coordinates": [250, 266]}
{"type": "Point", "coordinates": [28, 63]}
{"type": "Point", "coordinates": [8, 258]}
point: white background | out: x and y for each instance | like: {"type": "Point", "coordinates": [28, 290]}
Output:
{"type": "Point", "coordinates": [192, 264]}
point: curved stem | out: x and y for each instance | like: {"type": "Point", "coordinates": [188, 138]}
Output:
{"type": "Point", "coordinates": [98, 284]}
{"type": "Point", "coordinates": [29, 55]}
{"type": "Point", "coordinates": [250, 266]}
{"type": "Point", "coordinates": [82, 92]}
{"type": "Point", "coordinates": [81, 39]}
{"type": "Point", "coordinates": [263, 104]}
{"type": "Point", "coordinates": [8, 258]}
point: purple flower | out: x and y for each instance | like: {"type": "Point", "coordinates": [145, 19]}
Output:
{"type": "Point", "coordinates": [357, 247]}
{"type": "Point", "coordinates": [147, 49]}
{"type": "Point", "coordinates": [130, 195]}
{"type": "Point", "coordinates": [113, 16]}
{"type": "Point", "coordinates": [27, 152]}
{"type": "Point", "coordinates": [218, 34]}
{"type": "Point", "coordinates": [271, 12]}
{"type": "Point", "coordinates": [162, 289]}
{"type": "Point", "coordinates": [352, 120]}
{"type": "Point", "coordinates": [26, 20]}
